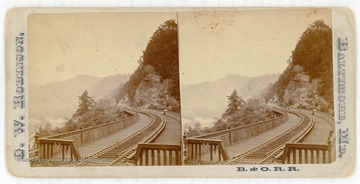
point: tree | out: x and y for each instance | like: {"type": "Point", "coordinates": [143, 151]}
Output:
{"type": "Point", "coordinates": [235, 103]}
{"type": "Point", "coordinates": [162, 50]}
{"type": "Point", "coordinates": [161, 54]}
{"type": "Point", "coordinates": [44, 130]}
{"type": "Point", "coordinates": [314, 53]}
{"type": "Point", "coordinates": [193, 131]}
{"type": "Point", "coordinates": [85, 103]}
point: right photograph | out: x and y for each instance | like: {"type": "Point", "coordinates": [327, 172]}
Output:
{"type": "Point", "coordinates": [257, 86]}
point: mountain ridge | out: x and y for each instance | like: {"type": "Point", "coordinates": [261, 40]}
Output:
{"type": "Point", "coordinates": [60, 98]}
{"type": "Point", "coordinates": [209, 98]}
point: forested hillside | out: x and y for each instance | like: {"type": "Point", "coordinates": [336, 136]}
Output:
{"type": "Point", "coordinates": [156, 80]}
{"type": "Point", "coordinates": [307, 82]}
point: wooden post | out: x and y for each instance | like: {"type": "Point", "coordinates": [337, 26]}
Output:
{"type": "Point", "coordinates": [177, 157]}
{"type": "Point", "coordinates": [41, 151]}
{"type": "Point", "coordinates": [200, 152]}
{"type": "Point", "coordinates": [317, 156]}
{"type": "Point", "coordinates": [329, 146]}
{"type": "Point", "coordinates": [312, 156]}
{"type": "Point", "coordinates": [158, 157]}
{"type": "Point", "coordinates": [170, 157]}
{"type": "Point", "coordinates": [219, 153]}
{"type": "Point", "coordinates": [211, 152]}
{"type": "Point", "coordinates": [71, 154]}
{"type": "Point", "coordinates": [63, 152]}
{"type": "Point", "coordinates": [146, 157]}
{"type": "Point", "coordinates": [44, 150]}
{"type": "Point", "coordinates": [185, 149]}
{"type": "Point", "coordinates": [196, 151]}
{"type": "Point", "coordinates": [66, 149]}
{"type": "Point", "coordinates": [192, 151]}
{"type": "Point", "coordinates": [288, 157]}
{"type": "Point", "coordinates": [51, 150]}
{"type": "Point", "coordinates": [141, 157]}
{"type": "Point", "coordinates": [47, 151]}
{"type": "Point", "coordinates": [294, 155]}
{"type": "Point", "coordinates": [36, 142]}
{"type": "Point", "coordinates": [152, 157]}
{"type": "Point", "coordinates": [164, 156]}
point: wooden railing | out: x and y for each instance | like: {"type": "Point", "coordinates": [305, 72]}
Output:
{"type": "Point", "coordinates": [194, 149]}
{"type": "Point", "coordinates": [49, 148]}
{"type": "Point", "coordinates": [90, 134]}
{"type": "Point", "coordinates": [148, 153]}
{"type": "Point", "coordinates": [240, 133]}
{"type": "Point", "coordinates": [149, 138]}
{"type": "Point", "coordinates": [300, 153]}
{"type": "Point", "coordinates": [86, 135]}
{"type": "Point", "coordinates": [157, 154]}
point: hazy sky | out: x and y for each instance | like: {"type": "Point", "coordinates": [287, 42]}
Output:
{"type": "Point", "coordinates": [212, 44]}
{"type": "Point", "coordinates": [247, 43]}
{"type": "Point", "coordinates": [62, 46]}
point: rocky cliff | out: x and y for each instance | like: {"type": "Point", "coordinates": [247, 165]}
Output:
{"type": "Point", "coordinates": [155, 83]}
{"type": "Point", "coordinates": [307, 82]}
{"type": "Point", "coordinates": [302, 92]}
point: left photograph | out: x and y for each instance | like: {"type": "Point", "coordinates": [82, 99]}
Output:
{"type": "Point", "coordinates": [103, 89]}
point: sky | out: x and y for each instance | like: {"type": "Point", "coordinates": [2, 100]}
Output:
{"type": "Point", "coordinates": [62, 46]}
{"type": "Point", "coordinates": [211, 44]}
{"type": "Point", "coordinates": [246, 43]}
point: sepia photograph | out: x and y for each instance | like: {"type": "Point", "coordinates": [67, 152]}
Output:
{"type": "Point", "coordinates": [180, 92]}
{"type": "Point", "coordinates": [257, 87]}
{"type": "Point", "coordinates": [103, 89]}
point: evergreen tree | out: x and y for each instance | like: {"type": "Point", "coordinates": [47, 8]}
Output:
{"type": "Point", "coordinates": [85, 103]}
{"type": "Point", "coordinates": [235, 103]}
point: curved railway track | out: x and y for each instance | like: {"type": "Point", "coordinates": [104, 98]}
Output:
{"type": "Point", "coordinates": [265, 153]}
{"type": "Point", "coordinates": [121, 152]}
{"type": "Point", "coordinates": [327, 117]}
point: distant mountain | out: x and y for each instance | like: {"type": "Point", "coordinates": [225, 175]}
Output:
{"type": "Point", "coordinates": [60, 99]}
{"type": "Point", "coordinates": [209, 99]}
{"type": "Point", "coordinates": [106, 86]}
{"type": "Point", "coordinates": [256, 86]}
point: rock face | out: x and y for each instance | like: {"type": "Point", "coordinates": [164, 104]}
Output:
{"type": "Point", "coordinates": [153, 92]}
{"type": "Point", "coordinates": [299, 89]}
{"type": "Point", "coordinates": [301, 92]}
{"type": "Point", "coordinates": [155, 83]}
{"type": "Point", "coordinates": [307, 82]}
{"type": "Point", "coordinates": [150, 90]}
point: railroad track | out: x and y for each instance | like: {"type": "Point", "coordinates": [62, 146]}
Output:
{"type": "Point", "coordinates": [327, 117]}
{"type": "Point", "coordinates": [266, 152]}
{"type": "Point", "coordinates": [121, 152]}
